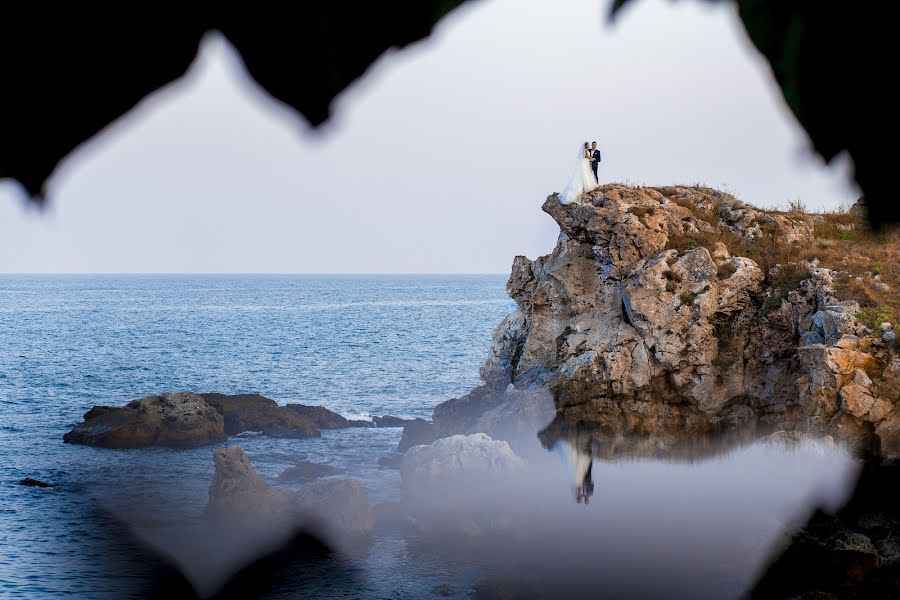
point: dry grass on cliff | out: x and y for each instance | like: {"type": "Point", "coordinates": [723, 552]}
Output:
{"type": "Point", "coordinates": [767, 251]}
{"type": "Point", "coordinates": [868, 261]}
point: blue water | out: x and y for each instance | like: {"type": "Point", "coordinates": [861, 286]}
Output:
{"type": "Point", "coordinates": [359, 345]}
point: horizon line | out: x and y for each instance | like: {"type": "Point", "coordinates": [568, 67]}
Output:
{"type": "Point", "coordinates": [304, 274]}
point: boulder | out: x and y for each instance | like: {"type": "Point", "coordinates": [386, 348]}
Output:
{"type": "Point", "coordinates": [461, 415]}
{"type": "Point", "coordinates": [857, 395]}
{"type": "Point", "coordinates": [416, 432]}
{"type": "Point", "coordinates": [236, 489]}
{"type": "Point", "coordinates": [251, 412]}
{"type": "Point", "coordinates": [186, 419]}
{"type": "Point", "coordinates": [457, 458]}
{"type": "Point", "coordinates": [175, 420]}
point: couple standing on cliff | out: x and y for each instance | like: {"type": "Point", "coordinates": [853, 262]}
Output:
{"type": "Point", "coordinates": [585, 177]}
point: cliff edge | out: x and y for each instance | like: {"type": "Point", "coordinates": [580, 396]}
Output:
{"type": "Point", "coordinates": [673, 312]}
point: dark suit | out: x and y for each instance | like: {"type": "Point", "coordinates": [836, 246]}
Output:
{"type": "Point", "coordinates": [595, 160]}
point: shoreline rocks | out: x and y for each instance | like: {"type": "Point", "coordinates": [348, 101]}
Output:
{"type": "Point", "coordinates": [452, 459]}
{"type": "Point", "coordinates": [190, 420]}
{"type": "Point", "coordinates": [172, 420]}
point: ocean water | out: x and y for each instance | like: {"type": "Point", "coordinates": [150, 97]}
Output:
{"type": "Point", "coordinates": [360, 346]}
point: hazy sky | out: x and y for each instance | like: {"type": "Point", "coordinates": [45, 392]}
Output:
{"type": "Point", "coordinates": [436, 162]}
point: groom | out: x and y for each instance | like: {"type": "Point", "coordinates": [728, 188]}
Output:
{"type": "Point", "coordinates": [595, 158]}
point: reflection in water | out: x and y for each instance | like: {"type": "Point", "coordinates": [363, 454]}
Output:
{"type": "Point", "coordinates": [578, 459]}
{"type": "Point", "coordinates": [704, 524]}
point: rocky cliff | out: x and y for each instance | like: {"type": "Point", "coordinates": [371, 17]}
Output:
{"type": "Point", "coordinates": [670, 313]}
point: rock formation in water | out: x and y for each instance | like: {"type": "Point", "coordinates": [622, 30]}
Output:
{"type": "Point", "coordinates": [176, 420]}
{"type": "Point", "coordinates": [447, 459]}
{"type": "Point", "coordinates": [651, 320]}
{"type": "Point", "coordinates": [336, 508]}
{"type": "Point", "coordinates": [188, 420]}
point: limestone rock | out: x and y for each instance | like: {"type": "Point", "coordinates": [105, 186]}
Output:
{"type": "Point", "coordinates": [176, 420]}
{"type": "Point", "coordinates": [857, 394]}
{"type": "Point", "coordinates": [643, 321]}
{"type": "Point", "coordinates": [186, 420]}
{"type": "Point", "coordinates": [337, 508]}
{"type": "Point", "coordinates": [251, 412]}
{"type": "Point", "coordinates": [237, 489]}
{"type": "Point", "coordinates": [457, 458]}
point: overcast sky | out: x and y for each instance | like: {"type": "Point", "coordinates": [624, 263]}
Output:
{"type": "Point", "coordinates": [436, 162]}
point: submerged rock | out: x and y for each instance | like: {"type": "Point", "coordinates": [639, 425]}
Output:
{"type": "Point", "coordinates": [176, 420]}
{"type": "Point", "coordinates": [307, 470]}
{"type": "Point", "coordinates": [390, 461]}
{"type": "Point", "coordinates": [321, 417]}
{"type": "Point", "coordinates": [390, 421]}
{"type": "Point", "coordinates": [29, 482]}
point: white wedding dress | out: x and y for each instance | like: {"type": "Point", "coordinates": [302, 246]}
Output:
{"type": "Point", "coordinates": [582, 180]}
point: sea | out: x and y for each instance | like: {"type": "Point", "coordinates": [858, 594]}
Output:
{"type": "Point", "coordinates": [361, 346]}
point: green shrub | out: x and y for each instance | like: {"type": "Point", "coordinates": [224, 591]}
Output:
{"type": "Point", "coordinates": [875, 316]}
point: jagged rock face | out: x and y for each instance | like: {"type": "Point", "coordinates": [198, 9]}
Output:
{"type": "Point", "coordinates": [645, 336]}
{"type": "Point", "coordinates": [177, 420]}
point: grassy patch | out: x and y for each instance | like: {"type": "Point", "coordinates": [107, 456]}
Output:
{"type": "Point", "coordinates": [672, 280]}
{"type": "Point", "coordinates": [641, 211]}
{"type": "Point", "coordinates": [687, 297]}
{"type": "Point", "coordinates": [773, 302]}
{"type": "Point", "coordinates": [846, 244]}
{"type": "Point", "coordinates": [874, 316]}
{"type": "Point", "coordinates": [866, 262]}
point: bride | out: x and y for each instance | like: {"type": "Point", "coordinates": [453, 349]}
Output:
{"type": "Point", "coordinates": [583, 180]}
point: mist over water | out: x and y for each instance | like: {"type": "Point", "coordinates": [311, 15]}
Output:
{"type": "Point", "coordinates": [357, 345]}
